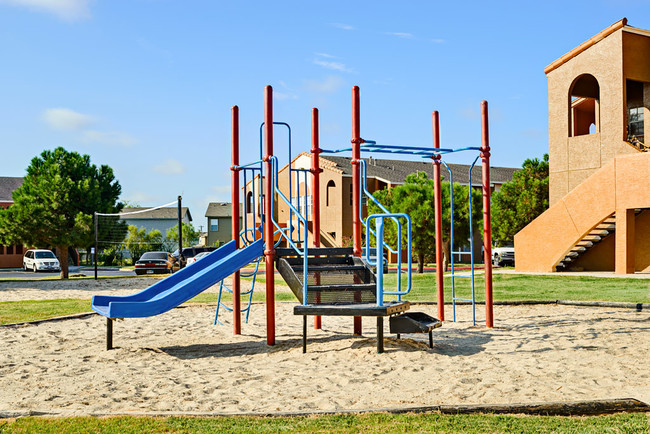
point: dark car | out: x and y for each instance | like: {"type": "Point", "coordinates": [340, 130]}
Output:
{"type": "Point", "coordinates": [154, 263]}
{"type": "Point", "coordinates": [190, 252]}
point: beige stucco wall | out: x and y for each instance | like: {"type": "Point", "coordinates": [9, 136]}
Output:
{"type": "Point", "coordinates": [618, 185]}
{"type": "Point", "coordinates": [573, 159]}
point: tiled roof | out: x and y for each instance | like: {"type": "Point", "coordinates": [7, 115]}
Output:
{"type": "Point", "coordinates": [220, 209]}
{"type": "Point", "coordinates": [396, 171]}
{"type": "Point", "coordinates": [7, 185]}
{"type": "Point", "coordinates": [156, 214]}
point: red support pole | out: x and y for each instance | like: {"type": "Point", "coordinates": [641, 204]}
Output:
{"type": "Point", "coordinates": [487, 219]}
{"type": "Point", "coordinates": [356, 184]}
{"type": "Point", "coordinates": [234, 197]}
{"type": "Point", "coordinates": [269, 251]}
{"type": "Point", "coordinates": [315, 192]}
{"type": "Point", "coordinates": [438, 222]}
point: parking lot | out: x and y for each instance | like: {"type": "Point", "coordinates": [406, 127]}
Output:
{"type": "Point", "coordinates": [17, 273]}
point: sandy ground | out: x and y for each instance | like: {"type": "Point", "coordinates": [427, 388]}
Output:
{"type": "Point", "coordinates": [180, 362]}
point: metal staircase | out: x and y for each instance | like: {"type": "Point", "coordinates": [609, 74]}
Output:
{"type": "Point", "coordinates": [334, 276]}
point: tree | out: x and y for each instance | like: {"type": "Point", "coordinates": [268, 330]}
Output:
{"type": "Point", "coordinates": [521, 200]}
{"type": "Point", "coordinates": [190, 235]}
{"type": "Point", "coordinates": [55, 204]}
{"type": "Point", "coordinates": [139, 241]}
{"type": "Point", "coordinates": [416, 198]}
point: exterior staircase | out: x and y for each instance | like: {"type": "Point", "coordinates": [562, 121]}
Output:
{"type": "Point", "coordinates": [596, 235]}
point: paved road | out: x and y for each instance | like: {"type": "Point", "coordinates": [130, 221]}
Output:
{"type": "Point", "coordinates": [17, 273]}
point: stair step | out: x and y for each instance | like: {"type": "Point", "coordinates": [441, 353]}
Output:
{"type": "Point", "coordinates": [330, 267]}
{"type": "Point", "coordinates": [585, 243]}
{"type": "Point", "coordinates": [343, 287]}
{"type": "Point", "coordinates": [320, 251]}
{"type": "Point", "coordinates": [606, 226]}
{"type": "Point", "coordinates": [579, 249]}
{"type": "Point", "coordinates": [413, 322]}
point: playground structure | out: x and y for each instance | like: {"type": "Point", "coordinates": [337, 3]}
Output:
{"type": "Point", "coordinates": [326, 281]}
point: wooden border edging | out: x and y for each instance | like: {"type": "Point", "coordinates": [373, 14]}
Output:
{"type": "Point", "coordinates": [570, 408]}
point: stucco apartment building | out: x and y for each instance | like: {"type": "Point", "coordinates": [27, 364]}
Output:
{"type": "Point", "coordinates": [336, 188]}
{"type": "Point", "coordinates": [10, 256]}
{"type": "Point", "coordinates": [598, 105]}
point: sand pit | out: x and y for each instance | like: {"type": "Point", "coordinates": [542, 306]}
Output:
{"type": "Point", "coordinates": [180, 362]}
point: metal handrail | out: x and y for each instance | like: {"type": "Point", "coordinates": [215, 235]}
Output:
{"type": "Point", "coordinates": [379, 222]}
{"type": "Point", "coordinates": [303, 252]}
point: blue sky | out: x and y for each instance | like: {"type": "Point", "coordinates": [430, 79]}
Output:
{"type": "Point", "coordinates": [146, 86]}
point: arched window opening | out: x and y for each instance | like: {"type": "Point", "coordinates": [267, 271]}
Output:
{"type": "Point", "coordinates": [584, 100]}
{"type": "Point", "coordinates": [635, 108]}
{"type": "Point", "coordinates": [329, 192]}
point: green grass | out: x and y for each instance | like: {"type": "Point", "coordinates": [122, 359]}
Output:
{"type": "Point", "coordinates": [513, 287]}
{"type": "Point", "coordinates": [375, 422]}
{"type": "Point", "coordinates": [33, 310]}
{"type": "Point", "coordinates": [519, 287]}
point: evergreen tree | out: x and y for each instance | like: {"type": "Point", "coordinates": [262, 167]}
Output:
{"type": "Point", "coordinates": [55, 204]}
{"type": "Point", "coordinates": [521, 200]}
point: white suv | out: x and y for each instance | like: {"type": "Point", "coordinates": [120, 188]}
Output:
{"type": "Point", "coordinates": [40, 260]}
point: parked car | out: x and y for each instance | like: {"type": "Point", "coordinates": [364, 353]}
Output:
{"type": "Point", "coordinates": [154, 263]}
{"type": "Point", "coordinates": [40, 260]}
{"type": "Point", "coordinates": [198, 256]}
{"type": "Point", "coordinates": [504, 255]}
{"type": "Point", "coordinates": [190, 252]}
{"type": "Point", "coordinates": [373, 260]}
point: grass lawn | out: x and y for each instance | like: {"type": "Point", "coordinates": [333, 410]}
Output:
{"type": "Point", "coordinates": [376, 422]}
{"type": "Point", "coordinates": [514, 287]}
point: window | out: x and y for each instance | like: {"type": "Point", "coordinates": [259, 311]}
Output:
{"type": "Point", "coordinates": [635, 108]}
{"type": "Point", "coordinates": [249, 202]}
{"type": "Point", "coordinates": [329, 198]}
{"type": "Point", "coordinates": [10, 250]}
{"type": "Point", "coordinates": [19, 250]}
{"type": "Point", "coordinates": [584, 111]}
{"type": "Point", "coordinates": [214, 225]}
{"type": "Point", "coordinates": [2, 250]}
{"type": "Point", "coordinates": [351, 194]}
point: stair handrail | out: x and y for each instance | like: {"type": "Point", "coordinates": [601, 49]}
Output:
{"type": "Point", "coordinates": [398, 248]}
{"type": "Point", "coordinates": [246, 168]}
{"type": "Point", "coordinates": [379, 225]}
{"type": "Point", "coordinates": [282, 231]}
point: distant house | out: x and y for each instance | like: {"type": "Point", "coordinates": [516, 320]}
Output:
{"type": "Point", "coordinates": [219, 216]}
{"type": "Point", "coordinates": [10, 256]}
{"type": "Point", "coordinates": [161, 219]}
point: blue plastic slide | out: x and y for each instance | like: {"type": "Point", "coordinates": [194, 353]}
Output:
{"type": "Point", "coordinates": [180, 286]}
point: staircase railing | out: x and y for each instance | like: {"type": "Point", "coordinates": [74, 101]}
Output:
{"type": "Point", "coordinates": [379, 236]}
{"type": "Point", "coordinates": [283, 231]}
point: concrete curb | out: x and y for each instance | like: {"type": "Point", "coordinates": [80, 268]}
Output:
{"type": "Point", "coordinates": [570, 408]}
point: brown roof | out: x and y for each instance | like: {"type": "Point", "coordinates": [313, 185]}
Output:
{"type": "Point", "coordinates": [396, 171]}
{"type": "Point", "coordinates": [590, 42]}
{"type": "Point", "coordinates": [7, 186]}
{"type": "Point", "coordinates": [167, 213]}
{"type": "Point", "coordinates": [220, 209]}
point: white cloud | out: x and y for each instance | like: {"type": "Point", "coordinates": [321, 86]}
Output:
{"type": "Point", "coordinates": [342, 26]}
{"type": "Point", "coordinates": [282, 96]}
{"type": "Point", "coordinates": [336, 66]}
{"type": "Point", "coordinates": [328, 56]}
{"type": "Point", "coordinates": [438, 41]}
{"type": "Point", "coordinates": [64, 119]}
{"type": "Point", "coordinates": [108, 138]}
{"type": "Point", "coordinates": [170, 167]}
{"type": "Point", "coordinates": [329, 85]}
{"type": "Point", "coordinates": [401, 35]}
{"type": "Point", "coordinates": [68, 10]}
